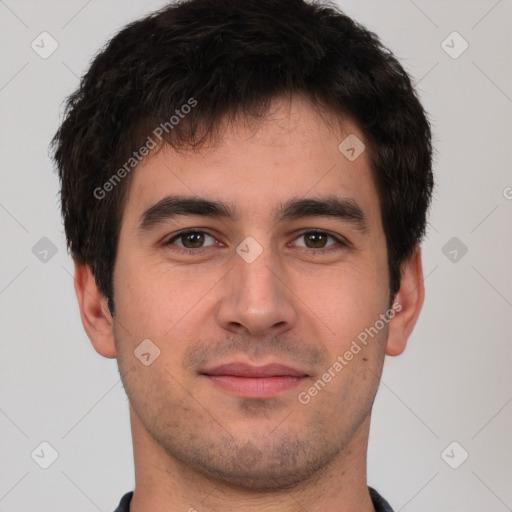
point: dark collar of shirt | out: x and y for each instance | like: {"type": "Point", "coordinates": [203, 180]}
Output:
{"type": "Point", "coordinates": [379, 503]}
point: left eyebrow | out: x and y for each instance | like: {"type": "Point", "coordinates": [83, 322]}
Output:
{"type": "Point", "coordinates": [344, 209]}
{"type": "Point", "coordinates": [169, 207]}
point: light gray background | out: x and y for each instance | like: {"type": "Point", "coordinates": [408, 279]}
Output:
{"type": "Point", "coordinates": [451, 384]}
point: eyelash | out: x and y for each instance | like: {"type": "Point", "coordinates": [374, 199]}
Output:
{"type": "Point", "coordinates": [340, 243]}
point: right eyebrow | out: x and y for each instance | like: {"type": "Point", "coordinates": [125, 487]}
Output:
{"type": "Point", "coordinates": [172, 206]}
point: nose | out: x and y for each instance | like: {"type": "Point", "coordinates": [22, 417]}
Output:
{"type": "Point", "coordinates": [257, 299]}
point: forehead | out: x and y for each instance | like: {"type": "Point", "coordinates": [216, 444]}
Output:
{"type": "Point", "coordinates": [293, 152]}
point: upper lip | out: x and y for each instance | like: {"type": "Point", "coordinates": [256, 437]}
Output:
{"type": "Point", "coordinates": [248, 370]}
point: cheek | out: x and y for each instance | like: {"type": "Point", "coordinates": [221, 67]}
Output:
{"type": "Point", "coordinates": [344, 300]}
{"type": "Point", "coordinates": [155, 296]}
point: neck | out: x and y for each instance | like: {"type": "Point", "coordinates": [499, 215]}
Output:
{"type": "Point", "coordinates": [163, 483]}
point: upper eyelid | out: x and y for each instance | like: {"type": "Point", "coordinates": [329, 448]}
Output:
{"type": "Point", "coordinates": [338, 238]}
{"type": "Point", "coordinates": [186, 232]}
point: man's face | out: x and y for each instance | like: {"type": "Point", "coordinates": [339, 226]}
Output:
{"type": "Point", "coordinates": [211, 299]}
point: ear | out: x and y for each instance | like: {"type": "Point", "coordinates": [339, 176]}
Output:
{"type": "Point", "coordinates": [96, 318]}
{"type": "Point", "coordinates": [407, 304]}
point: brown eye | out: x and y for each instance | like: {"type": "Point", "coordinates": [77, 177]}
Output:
{"type": "Point", "coordinates": [191, 240]}
{"type": "Point", "coordinates": [317, 240]}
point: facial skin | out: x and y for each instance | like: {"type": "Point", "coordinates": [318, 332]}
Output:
{"type": "Point", "coordinates": [195, 443]}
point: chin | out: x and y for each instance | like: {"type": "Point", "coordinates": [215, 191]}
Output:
{"type": "Point", "coordinates": [271, 466]}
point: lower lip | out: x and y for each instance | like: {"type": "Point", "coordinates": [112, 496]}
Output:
{"type": "Point", "coordinates": [255, 387]}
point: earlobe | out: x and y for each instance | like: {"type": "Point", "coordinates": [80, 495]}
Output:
{"type": "Point", "coordinates": [96, 318]}
{"type": "Point", "coordinates": [407, 304]}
